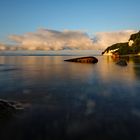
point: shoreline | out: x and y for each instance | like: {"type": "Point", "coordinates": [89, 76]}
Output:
{"type": "Point", "coordinates": [127, 55]}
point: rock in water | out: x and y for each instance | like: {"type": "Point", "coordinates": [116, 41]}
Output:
{"type": "Point", "coordinates": [9, 107]}
{"type": "Point", "coordinates": [89, 59]}
{"type": "Point", "coordinates": [122, 62]}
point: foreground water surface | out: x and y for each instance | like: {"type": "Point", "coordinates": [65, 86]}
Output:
{"type": "Point", "coordinates": [71, 100]}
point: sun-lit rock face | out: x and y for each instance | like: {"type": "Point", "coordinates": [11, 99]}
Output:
{"type": "Point", "coordinates": [116, 49]}
{"type": "Point", "coordinates": [111, 52]}
{"type": "Point", "coordinates": [130, 43]}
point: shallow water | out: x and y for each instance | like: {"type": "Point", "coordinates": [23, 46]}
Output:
{"type": "Point", "coordinates": [71, 100]}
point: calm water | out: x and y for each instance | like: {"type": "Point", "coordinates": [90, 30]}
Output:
{"type": "Point", "coordinates": [71, 101]}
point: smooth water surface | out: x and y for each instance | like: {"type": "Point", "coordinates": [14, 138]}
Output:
{"type": "Point", "coordinates": [71, 101]}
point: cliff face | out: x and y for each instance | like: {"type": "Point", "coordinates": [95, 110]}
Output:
{"type": "Point", "coordinates": [135, 36]}
{"type": "Point", "coordinates": [130, 47]}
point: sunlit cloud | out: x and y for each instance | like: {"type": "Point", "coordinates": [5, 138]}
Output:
{"type": "Point", "coordinates": [2, 47]}
{"type": "Point", "coordinates": [105, 39]}
{"type": "Point", "coordinates": [45, 39]}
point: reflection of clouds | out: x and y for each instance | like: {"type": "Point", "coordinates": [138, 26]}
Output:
{"type": "Point", "coordinates": [136, 112]}
{"type": "Point", "coordinates": [108, 70]}
{"type": "Point", "coordinates": [43, 74]}
{"type": "Point", "coordinates": [78, 127]}
{"type": "Point", "coordinates": [37, 67]}
{"type": "Point", "coordinates": [26, 91]}
{"type": "Point", "coordinates": [106, 92]}
{"type": "Point", "coordinates": [90, 107]}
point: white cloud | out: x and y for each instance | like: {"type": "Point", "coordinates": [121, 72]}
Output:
{"type": "Point", "coordinates": [105, 39]}
{"type": "Point", "coordinates": [45, 39]}
{"type": "Point", "coordinates": [2, 47]}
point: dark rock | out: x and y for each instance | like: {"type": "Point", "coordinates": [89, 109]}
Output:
{"type": "Point", "coordinates": [9, 107]}
{"type": "Point", "coordinates": [122, 62]}
{"type": "Point", "coordinates": [89, 59]}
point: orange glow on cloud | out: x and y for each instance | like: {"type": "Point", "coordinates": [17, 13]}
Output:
{"type": "Point", "coordinates": [45, 39]}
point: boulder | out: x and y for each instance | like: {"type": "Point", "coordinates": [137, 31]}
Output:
{"type": "Point", "coordinates": [89, 59]}
{"type": "Point", "coordinates": [122, 62]}
{"type": "Point", "coordinates": [9, 107]}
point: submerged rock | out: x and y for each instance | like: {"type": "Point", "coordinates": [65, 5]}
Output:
{"type": "Point", "coordinates": [122, 62]}
{"type": "Point", "coordinates": [89, 59]}
{"type": "Point", "coordinates": [9, 107]}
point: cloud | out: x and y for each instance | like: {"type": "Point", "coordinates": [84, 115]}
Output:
{"type": "Point", "coordinates": [4, 47]}
{"type": "Point", "coordinates": [104, 39]}
{"type": "Point", "coordinates": [45, 39]}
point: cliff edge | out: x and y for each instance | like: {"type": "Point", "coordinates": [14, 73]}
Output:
{"type": "Point", "coordinates": [126, 48]}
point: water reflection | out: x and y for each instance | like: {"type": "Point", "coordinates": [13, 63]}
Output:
{"type": "Point", "coordinates": [71, 100]}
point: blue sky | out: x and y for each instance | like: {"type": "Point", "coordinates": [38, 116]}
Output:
{"type": "Point", "coordinates": [21, 16]}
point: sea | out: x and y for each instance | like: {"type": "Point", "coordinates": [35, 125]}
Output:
{"type": "Point", "coordinates": [70, 101]}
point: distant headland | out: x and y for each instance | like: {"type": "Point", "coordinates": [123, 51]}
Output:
{"type": "Point", "coordinates": [132, 47]}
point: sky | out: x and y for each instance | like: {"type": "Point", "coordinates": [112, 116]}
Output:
{"type": "Point", "coordinates": [91, 17]}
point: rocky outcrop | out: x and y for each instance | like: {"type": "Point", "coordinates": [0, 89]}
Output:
{"type": "Point", "coordinates": [126, 48]}
{"type": "Point", "coordinates": [118, 48]}
{"type": "Point", "coordinates": [83, 60]}
{"type": "Point", "coordinates": [9, 107]}
{"type": "Point", "coordinates": [122, 62]}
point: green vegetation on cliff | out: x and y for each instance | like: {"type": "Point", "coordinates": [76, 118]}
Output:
{"type": "Point", "coordinates": [125, 48]}
{"type": "Point", "coordinates": [120, 48]}
{"type": "Point", "coordinates": [135, 36]}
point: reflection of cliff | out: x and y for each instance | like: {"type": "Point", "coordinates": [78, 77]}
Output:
{"type": "Point", "coordinates": [130, 47]}
{"type": "Point", "coordinates": [108, 70]}
{"type": "Point", "coordinates": [136, 66]}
